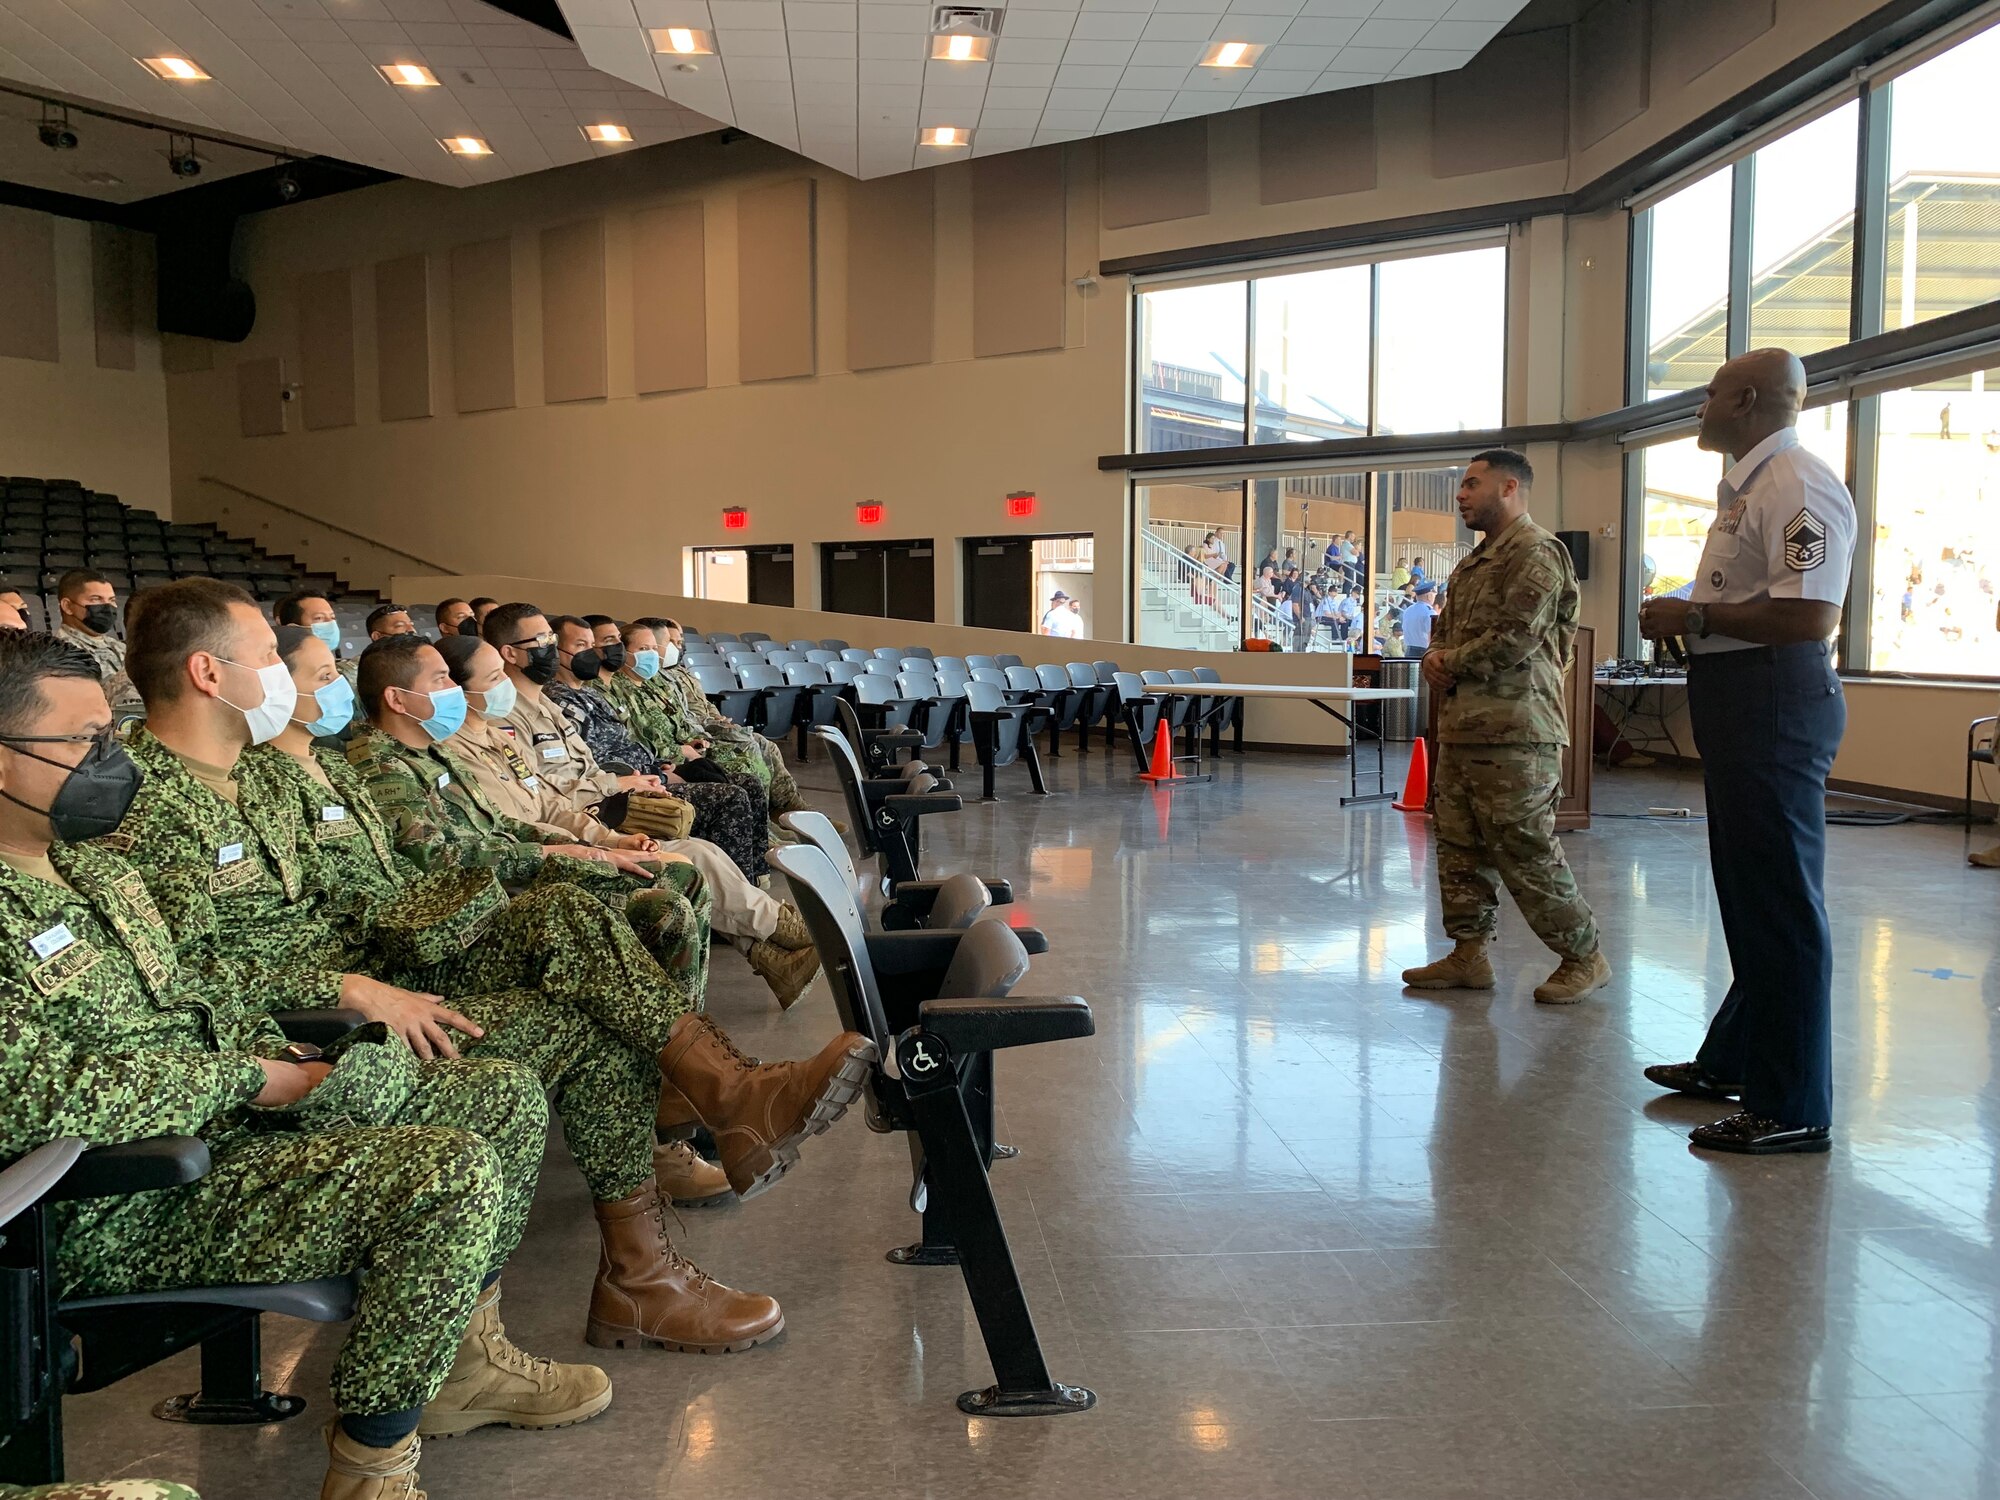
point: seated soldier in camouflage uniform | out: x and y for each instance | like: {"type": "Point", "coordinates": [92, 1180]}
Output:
{"type": "Point", "coordinates": [420, 1172]}
{"type": "Point", "coordinates": [247, 892]}
{"type": "Point", "coordinates": [559, 749]}
{"type": "Point", "coordinates": [365, 874]}
{"type": "Point", "coordinates": [740, 751]}
{"type": "Point", "coordinates": [110, 1489]}
{"type": "Point", "coordinates": [89, 619]}
{"type": "Point", "coordinates": [312, 611]}
{"type": "Point", "coordinates": [523, 806]}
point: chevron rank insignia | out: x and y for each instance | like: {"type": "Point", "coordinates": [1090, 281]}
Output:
{"type": "Point", "coordinates": [1805, 541]}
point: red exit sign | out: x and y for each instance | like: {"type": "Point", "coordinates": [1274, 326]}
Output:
{"type": "Point", "coordinates": [736, 518]}
{"type": "Point", "coordinates": [868, 513]}
{"type": "Point", "coordinates": [1021, 503]}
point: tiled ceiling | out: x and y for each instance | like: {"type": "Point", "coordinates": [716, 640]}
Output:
{"type": "Point", "coordinates": [853, 84]}
{"type": "Point", "coordinates": [300, 75]}
{"type": "Point", "coordinates": [112, 161]}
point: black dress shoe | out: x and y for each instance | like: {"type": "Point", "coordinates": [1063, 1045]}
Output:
{"type": "Point", "coordinates": [1753, 1135]}
{"type": "Point", "coordinates": [1688, 1078]}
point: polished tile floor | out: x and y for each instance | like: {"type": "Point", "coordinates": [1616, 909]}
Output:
{"type": "Point", "coordinates": [1308, 1234]}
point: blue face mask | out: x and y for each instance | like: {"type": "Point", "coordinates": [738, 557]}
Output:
{"type": "Point", "coordinates": [447, 713]}
{"type": "Point", "coordinates": [328, 631]}
{"type": "Point", "coordinates": [336, 707]}
{"type": "Point", "coordinates": [500, 699]}
{"type": "Point", "coordinates": [646, 664]}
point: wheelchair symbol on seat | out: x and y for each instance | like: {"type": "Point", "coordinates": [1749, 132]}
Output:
{"type": "Point", "coordinates": [922, 1056]}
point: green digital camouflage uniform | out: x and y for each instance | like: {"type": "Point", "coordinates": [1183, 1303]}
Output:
{"type": "Point", "coordinates": [108, 652]}
{"type": "Point", "coordinates": [422, 1172]}
{"type": "Point", "coordinates": [108, 1489]}
{"type": "Point", "coordinates": [738, 750]}
{"type": "Point", "coordinates": [1505, 635]}
{"type": "Point", "coordinates": [437, 818]}
{"type": "Point", "coordinates": [244, 890]}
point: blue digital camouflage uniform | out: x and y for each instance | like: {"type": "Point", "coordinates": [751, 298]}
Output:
{"type": "Point", "coordinates": [1506, 635]}
{"type": "Point", "coordinates": [245, 891]}
{"type": "Point", "coordinates": [435, 816]}
{"type": "Point", "coordinates": [423, 1172]}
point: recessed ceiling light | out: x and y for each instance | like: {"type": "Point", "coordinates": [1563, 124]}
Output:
{"type": "Point", "coordinates": [465, 145]}
{"type": "Point", "coordinates": [961, 46]}
{"type": "Point", "coordinates": [1232, 55]}
{"type": "Point", "coordinates": [947, 135]}
{"type": "Point", "coordinates": [173, 69]}
{"type": "Point", "coordinates": [608, 135]}
{"type": "Point", "coordinates": [409, 75]}
{"type": "Point", "coordinates": [688, 41]}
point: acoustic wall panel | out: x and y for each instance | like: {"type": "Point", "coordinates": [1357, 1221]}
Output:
{"type": "Point", "coordinates": [774, 281]}
{"type": "Point", "coordinates": [1466, 137]}
{"type": "Point", "coordinates": [28, 272]}
{"type": "Point", "coordinates": [182, 355]}
{"type": "Point", "coordinates": [669, 299]}
{"type": "Point", "coordinates": [260, 402]}
{"type": "Point", "coordinates": [573, 361]}
{"type": "Point", "coordinates": [482, 325]}
{"type": "Point", "coordinates": [1317, 146]}
{"type": "Point", "coordinates": [326, 348]}
{"type": "Point", "coordinates": [111, 297]}
{"type": "Point", "coordinates": [1153, 175]}
{"type": "Point", "coordinates": [1692, 36]}
{"type": "Point", "coordinates": [1017, 252]}
{"type": "Point", "coordinates": [891, 270]}
{"type": "Point", "coordinates": [1611, 68]}
{"type": "Point", "coordinates": [403, 337]}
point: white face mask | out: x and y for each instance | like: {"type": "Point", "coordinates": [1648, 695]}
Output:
{"type": "Point", "coordinates": [281, 695]}
{"type": "Point", "coordinates": [670, 656]}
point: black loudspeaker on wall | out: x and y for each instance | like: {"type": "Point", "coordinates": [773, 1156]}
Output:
{"type": "Point", "coordinates": [1578, 545]}
{"type": "Point", "coordinates": [199, 294]}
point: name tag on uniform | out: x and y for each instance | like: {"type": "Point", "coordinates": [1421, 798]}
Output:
{"type": "Point", "coordinates": [444, 780]}
{"type": "Point", "coordinates": [532, 783]}
{"type": "Point", "coordinates": [228, 854]}
{"type": "Point", "coordinates": [554, 752]}
{"type": "Point", "coordinates": [53, 941]}
{"type": "Point", "coordinates": [133, 889]}
{"type": "Point", "coordinates": [232, 876]}
{"type": "Point", "coordinates": [334, 823]}
{"type": "Point", "coordinates": [333, 814]}
{"type": "Point", "coordinates": [71, 962]}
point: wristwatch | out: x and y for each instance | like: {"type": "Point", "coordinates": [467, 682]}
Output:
{"type": "Point", "coordinates": [1697, 621]}
{"type": "Point", "coordinates": [299, 1052]}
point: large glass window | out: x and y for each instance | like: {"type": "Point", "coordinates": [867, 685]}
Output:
{"type": "Point", "coordinates": [1943, 240]}
{"type": "Point", "coordinates": [1416, 344]}
{"type": "Point", "coordinates": [1190, 588]}
{"type": "Point", "coordinates": [1802, 236]}
{"type": "Point", "coordinates": [1687, 292]}
{"type": "Point", "coordinates": [1937, 528]}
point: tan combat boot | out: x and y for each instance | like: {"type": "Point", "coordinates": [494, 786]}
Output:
{"type": "Point", "coordinates": [1573, 979]}
{"type": "Point", "coordinates": [788, 971]}
{"type": "Point", "coordinates": [758, 1112]}
{"type": "Point", "coordinates": [492, 1383]}
{"type": "Point", "coordinates": [1986, 859]}
{"type": "Point", "coordinates": [355, 1471]}
{"type": "Point", "coordinates": [1466, 967]}
{"type": "Point", "coordinates": [686, 1179]}
{"type": "Point", "coordinates": [791, 931]}
{"type": "Point", "coordinates": [648, 1297]}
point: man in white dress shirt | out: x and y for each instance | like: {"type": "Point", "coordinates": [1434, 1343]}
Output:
{"type": "Point", "coordinates": [1768, 715]}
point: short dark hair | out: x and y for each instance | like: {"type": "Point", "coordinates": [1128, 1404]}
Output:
{"type": "Point", "coordinates": [657, 622]}
{"type": "Point", "coordinates": [558, 623]}
{"type": "Point", "coordinates": [290, 638]}
{"type": "Point", "coordinates": [458, 651]}
{"type": "Point", "coordinates": [598, 622]}
{"type": "Point", "coordinates": [482, 599]}
{"type": "Point", "coordinates": [291, 609]}
{"type": "Point", "coordinates": [168, 623]}
{"type": "Point", "coordinates": [389, 662]}
{"type": "Point", "coordinates": [502, 626]}
{"type": "Point", "coordinates": [382, 612]}
{"type": "Point", "coordinates": [27, 659]}
{"type": "Point", "coordinates": [633, 627]}
{"type": "Point", "coordinates": [1506, 461]}
{"type": "Point", "coordinates": [72, 583]}
{"type": "Point", "coordinates": [445, 604]}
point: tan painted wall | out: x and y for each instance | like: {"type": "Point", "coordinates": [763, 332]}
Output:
{"type": "Point", "coordinates": [70, 418]}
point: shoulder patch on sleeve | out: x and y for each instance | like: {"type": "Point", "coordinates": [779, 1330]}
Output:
{"type": "Point", "coordinates": [1805, 541]}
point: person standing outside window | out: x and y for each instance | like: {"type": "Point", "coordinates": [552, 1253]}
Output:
{"type": "Point", "coordinates": [1496, 662]}
{"type": "Point", "coordinates": [1417, 618]}
{"type": "Point", "coordinates": [1768, 716]}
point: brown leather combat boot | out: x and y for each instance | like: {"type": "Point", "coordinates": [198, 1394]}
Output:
{"type": "Point", "coordinates": [758, 1112]}
{"type": "Point", "coordinates": [648, 1297]}
{"type": "Point", "coordinates": [355, 1471]}
{"type": "Point", "coordinates": [686, 1179]}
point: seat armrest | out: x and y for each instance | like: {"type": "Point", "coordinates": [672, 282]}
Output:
{"type": "Point", "coordinates": [917, 896]}
{"type": "Point", "coordinates": [912, 952]}
{"type": "Point", "coordinates": [910, 805]}
{"type": "Point", "coordinates": [1032, 938]}
{"type": "Point", "coordinates": [162, 1161]}
{"type": "Point", "coordinates": [967, 1026]}
{"type": "Point", "coordinates": [318, 1027]}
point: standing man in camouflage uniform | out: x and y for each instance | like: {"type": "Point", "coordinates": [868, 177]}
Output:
{"type": "Point", "coordinates": [89, 611]}
{"type": "Point", "coordinates": [421, 1172]}
{"type": "Point", "coordinates": [1497, 658]}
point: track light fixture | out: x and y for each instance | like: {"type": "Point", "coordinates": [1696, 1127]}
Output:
{"type": "Point", "coordinates": [181, 158]}
{"type": "Point", "coordinates": [54, 131]}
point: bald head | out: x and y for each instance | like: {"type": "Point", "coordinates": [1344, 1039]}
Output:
{"type": "Point", "coordinates": [1759, 392]}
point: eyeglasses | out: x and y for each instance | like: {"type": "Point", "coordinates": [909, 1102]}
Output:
{"type": "Point", "coordinates": [106, 736]}
{"type": "Point", "coordinates": [534, 642]}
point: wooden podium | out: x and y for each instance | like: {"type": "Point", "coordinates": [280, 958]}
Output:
{"type": "Point", "coordinates": [1579, 692]}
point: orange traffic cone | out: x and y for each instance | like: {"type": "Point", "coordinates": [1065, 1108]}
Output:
{"type": "Point", "coordinates": [1163, 757]}
{"type": "Point", "coordinates": [1417, 785]}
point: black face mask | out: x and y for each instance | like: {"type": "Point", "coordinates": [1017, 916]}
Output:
{"type": "Point", "coordinates": [468, 626]}
{"type": "Point", "coordinates": [586, 664]}
{"type": "Point", "coordinates": [102, 618]}
{"type": "Point", "coordinates": [612, 656]}
{"type": "Point", "coordinates": [541, 665]}
{"type": "Point", "coordinates": [96, 796]}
